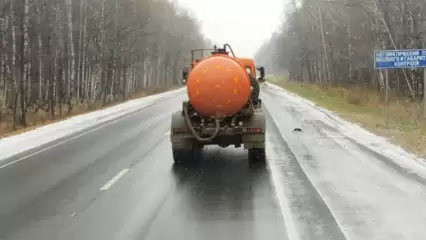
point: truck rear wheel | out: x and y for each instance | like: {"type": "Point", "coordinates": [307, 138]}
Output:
{"type": "Point", "coordinates": [186, 156]}
{"type": "Point", "coordinates": [182, 156]}
{"type": "Point", "coordinates": [257, 155]}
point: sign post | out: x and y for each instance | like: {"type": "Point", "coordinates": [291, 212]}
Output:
{"type": "Point", "coordinates": [397, 59]}
{"type": "Point", "coordinates": [424, 92]}
{"type": "Point", "coordinates": [387, 98]}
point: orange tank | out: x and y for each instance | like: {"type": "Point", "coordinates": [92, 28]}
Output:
{"type": "Point", "coordinates": [218, 86]}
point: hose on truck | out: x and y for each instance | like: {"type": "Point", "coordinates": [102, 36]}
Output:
{"type": "Point", "coordinates": [196, 135]}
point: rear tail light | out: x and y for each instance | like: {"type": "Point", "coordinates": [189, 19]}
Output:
{"type": "Point", "coordinates": [254, 130]}
{"type": "Point", "coordinates": [180, 130]}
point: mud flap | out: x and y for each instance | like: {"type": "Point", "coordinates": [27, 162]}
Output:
{"type": "Point", "coordinates": [256, 155]}
{"type": "Point", "coordinates": [256, 140]}
{"type": "Point", "coordinates": [182, 140]}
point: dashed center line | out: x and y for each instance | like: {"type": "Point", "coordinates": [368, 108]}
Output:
{"type": "Point", "coordinates": [117, 177]}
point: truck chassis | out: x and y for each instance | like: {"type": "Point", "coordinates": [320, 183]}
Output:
{"type": "Point", "coordinates": [191, 132]}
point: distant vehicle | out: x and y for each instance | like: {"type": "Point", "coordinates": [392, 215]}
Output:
{"type": "Point", "coordinates": [223, 109]}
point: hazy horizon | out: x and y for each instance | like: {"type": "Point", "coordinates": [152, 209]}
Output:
{"type": "Point", "coordinates": [245, 24]}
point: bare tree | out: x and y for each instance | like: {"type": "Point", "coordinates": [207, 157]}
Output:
{"type": "Point", "coordinates": [59, 53]}
{"type": "Point", "coordinates": [332, 42]}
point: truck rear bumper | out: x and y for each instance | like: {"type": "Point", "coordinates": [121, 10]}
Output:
{"type": "Point", "coordinates": [249, 140]}
{"type": "Point", "coordinates": [251, 134]}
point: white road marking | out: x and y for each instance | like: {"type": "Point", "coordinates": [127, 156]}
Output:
{"type": "Point", "coordinates": [278, 179]}
{"type": "Point", "coordinates": [73, 214]}
{"type": "Point", "coordinates": [69, 140]}
{"type": "Point", "coordinates": [48, 148]}
{"type": "Point", "coordinates": [115, 179]}
{"type": "Point", "coordinates": [167, 134]}
{"type": "Point", "coordinates": [277, 182]}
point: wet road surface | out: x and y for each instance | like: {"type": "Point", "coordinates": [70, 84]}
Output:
{"type": "Point", "coordinates": [119, 182]}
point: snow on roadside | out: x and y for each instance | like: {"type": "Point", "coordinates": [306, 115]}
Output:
{"type": "Point", "coordinates": [377, 144]}
{"type": "Point", "coordinates": [25, 141]}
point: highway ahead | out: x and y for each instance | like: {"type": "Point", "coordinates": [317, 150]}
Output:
{"type": "Point", "coordinates": [119, 182]}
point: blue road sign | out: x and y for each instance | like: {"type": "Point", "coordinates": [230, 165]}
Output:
{"type": "Point", "coordinates": [407, 58]}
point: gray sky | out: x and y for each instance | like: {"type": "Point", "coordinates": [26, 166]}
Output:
{"type": "Point", "coordinates": [245, 24]}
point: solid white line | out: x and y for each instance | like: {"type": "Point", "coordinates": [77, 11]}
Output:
{"type": "Point", "coordinates": [278, 178]}
{"type": "Point", "coordinates": [55, 145]}
{"type": "Point", "coordinates": [119, 118]}
{"type": "Point", "coordinates": [50, 147]}
{"type": "Point", "coordinates": [277, 182]}
{"type": "Point", "coordinates": [115, 179]}
{"type": "Point", "coordinates": [70, 139]}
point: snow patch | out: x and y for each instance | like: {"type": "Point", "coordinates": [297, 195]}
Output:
{"type": "Point", "coordinates": [13, 145]}
{"type": "Point", "coordinates": [377, 144]}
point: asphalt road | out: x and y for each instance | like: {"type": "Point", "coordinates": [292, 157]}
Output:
{"type": "Point", "coordinates": [119, 182]}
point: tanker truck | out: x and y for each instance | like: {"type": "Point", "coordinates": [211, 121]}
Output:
{"type": "Point", "coordinates": [222, 109]}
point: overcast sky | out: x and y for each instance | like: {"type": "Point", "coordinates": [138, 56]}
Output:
{"type": "Point", "coordinates": [244, 24]}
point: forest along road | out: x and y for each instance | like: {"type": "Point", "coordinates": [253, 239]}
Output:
{"type": "Point", "coordinates": [119, 182]}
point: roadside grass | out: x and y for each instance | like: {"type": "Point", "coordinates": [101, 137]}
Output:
{"type": "Point", "coordinates": [406, 128]}
{"type": "Point", "coordinates": [36, 119]}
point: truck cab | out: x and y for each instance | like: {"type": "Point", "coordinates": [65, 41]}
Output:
{"type": "Point", "coordinates": [250, 67]}
{"type": "Point", "coordinates": [248, 64]}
